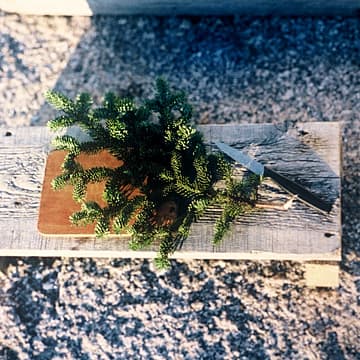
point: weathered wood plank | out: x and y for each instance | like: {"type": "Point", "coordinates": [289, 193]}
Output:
{"type": "Point", "coordinates": [322, 275]}
{"type": "Point", "coordinates": [314, 163]}
{"type": "Point", "coordinates": [302, 233]}
{"type": "Point", "coordinates": [178, 7]}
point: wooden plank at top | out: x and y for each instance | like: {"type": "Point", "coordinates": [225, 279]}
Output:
{"type": "Point", "coordinates": [181, 7]}
{"type": "Point", "coordinates": [310, 154]}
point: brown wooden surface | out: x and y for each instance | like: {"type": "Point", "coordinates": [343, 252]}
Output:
{"type": "Point", "coordinates": [57, 206]}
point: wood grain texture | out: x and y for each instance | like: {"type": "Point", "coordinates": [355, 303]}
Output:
{"type": "Point", "coordinates": [57, 206]}
{"type": "Point", "coordinates": [184, 7]}
{"type": "Point", "coordinates": [308, 153]}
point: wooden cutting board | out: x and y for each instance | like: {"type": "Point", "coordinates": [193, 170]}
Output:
{"type": "Point", "coordinates": [56, 206]}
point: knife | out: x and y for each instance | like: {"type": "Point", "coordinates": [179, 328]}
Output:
{"type": "Point", "coordinates": [257, 168]}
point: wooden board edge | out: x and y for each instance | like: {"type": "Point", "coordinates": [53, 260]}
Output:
{"type": "Point", "coordinates": [177, 255]}
{"type": "Point", "coordinates": [45, 7]}
{"type": "Point", "coordinates": [321, 275]}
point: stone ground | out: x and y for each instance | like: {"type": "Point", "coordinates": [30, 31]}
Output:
{"type": "Point", "coordinates": [235, 69]}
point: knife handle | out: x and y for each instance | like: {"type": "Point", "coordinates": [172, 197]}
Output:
{"type": "Point", "coordinates": [296, 189]}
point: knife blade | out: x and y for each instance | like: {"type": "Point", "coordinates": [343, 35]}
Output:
{"type": "Point", "coordinates": [257, 168]}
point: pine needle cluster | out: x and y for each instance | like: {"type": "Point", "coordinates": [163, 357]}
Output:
{"type": "Point", "coordinates": [164, 162]}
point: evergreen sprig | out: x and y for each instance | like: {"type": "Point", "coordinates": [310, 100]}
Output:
{"type": "Point", "coordinates": [164, 161]}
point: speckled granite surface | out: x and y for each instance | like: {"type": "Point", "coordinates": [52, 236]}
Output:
{"type": "Point", "coordinates": [234, 69]}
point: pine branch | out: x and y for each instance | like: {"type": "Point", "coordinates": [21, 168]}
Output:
{"type": "Point", "coordinates": [165, 249]}
{"type": "Point", "coordinates": [83, 104]}
{"type": "Point", "coordinates": [222, 225]}
{"type": "Point", "coordinates": [91, 147]}
{"type": "Point", "coordinates": [61, 122]}
{"type": "Point", "coordinates": [163, 156]}
{"type": "Point", "coordinates": [127, 213]}
{"type": "Point", "coordinates": [60, 102]}
{"type": "Point", "coordinates": [79, 190]}
{"type": "Point", "coordinates": [198, 206]}
{"type": "Point", "coordinates": [60, 181]}
{"type": "Point", "coordinates": [97, 174]}
{"type": "Point", "coordinates": [102, 227]}
{"type": "Point", "coordinates": [112, 193]}
{"type": "Point", "coordinates": [68, 143]}
{"type": "Point", "coordinates": [70, 165]}
{"type": "Point", "coordinates": [117, 129]}
{"type": "Point", "coordinates": [203, 180]}
{"type": "Point", "coordinates": [184, 188]}
{"type": "Point", "coordinates": [90, 211]}
{"type": "Point", "coordinates": [81, 218]}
